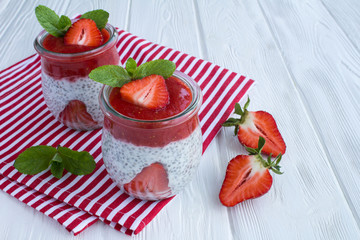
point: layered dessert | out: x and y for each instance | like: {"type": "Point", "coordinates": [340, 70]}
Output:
{"type": "Point", "coordinates": [151, 140]}
{"type": "Point", "coordinates": [66, 61]}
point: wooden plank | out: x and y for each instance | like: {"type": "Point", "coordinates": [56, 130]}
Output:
{"type": "Point", "coordinates": [347, 16]}
{"type": "Point", "coordinates": [328, 82]}
{"type": "Point", "coordinates": [307, 201]}
{"type": "Point", "coordinates": [18, 30]}
{"type": "Point", "coordinates": [195, 213]}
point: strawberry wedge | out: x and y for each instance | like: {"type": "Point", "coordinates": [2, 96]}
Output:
{"type": "Point", "coordinates": [253, 125]}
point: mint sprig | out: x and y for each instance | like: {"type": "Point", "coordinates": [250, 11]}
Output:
{"type": "Point", "coordinates": [38, 158]}
{"type": "Point", "coordinates": [58, 26]}
{"type": "Point", "coordinates": [116, 76]}
{"type": "Point", "coordinates": [100, 17]}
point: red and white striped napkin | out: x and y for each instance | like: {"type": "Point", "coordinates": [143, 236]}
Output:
{"type": "Point", "coordinates": [79, 201]}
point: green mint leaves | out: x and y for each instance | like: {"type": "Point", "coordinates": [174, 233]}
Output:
{"type": "Point", "coordinates": [58, 26]}
{"type": "Point", "coordinates": [116, 76]}
{"type": "Point", "coordinates": [38, 158]}
{"type": "Point", "coordinates": [100, 17]}
{"type": "Point", "coordinates": [51, 22]}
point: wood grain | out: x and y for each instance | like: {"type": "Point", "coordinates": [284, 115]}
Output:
{"type": "Point", "coordinates": [306, 200]}
{"type": "Point", "coordinates": [304, 56]}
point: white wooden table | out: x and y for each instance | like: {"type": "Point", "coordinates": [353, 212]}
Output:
{"type": "Point", "coordinates": [305, 59]}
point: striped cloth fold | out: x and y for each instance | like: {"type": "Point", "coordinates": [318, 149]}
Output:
{"type": "Point", "coordinates": [79, 201]}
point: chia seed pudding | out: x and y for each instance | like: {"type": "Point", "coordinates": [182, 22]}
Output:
{"type": "Point", "coordinates": [153, 159]}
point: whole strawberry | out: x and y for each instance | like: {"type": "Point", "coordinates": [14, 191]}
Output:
{"type": "Point", "coordinates": [252, 125]}
{"type": "Point", "coordinates": [248, 176]}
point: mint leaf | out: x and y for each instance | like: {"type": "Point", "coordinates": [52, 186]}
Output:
{"type": "Point", "coordinates": [34, 159]}
{"type": "Point", "coordinates": [78, 163]}
{"type": "Point", "coordinates": [64, 23]}
{"type": "Point", "coordinates": [100, 17]}
{"type": "Point", "coordinates": [57, 169]}
{"type": "Point", "coordinates": [131, 66]}
{"type": "Point", "coordinates": [112, 75]}
{"type": "Point", "coordinates": [161, 67]}
{"type": "Point", "coordinates": [49, 20]}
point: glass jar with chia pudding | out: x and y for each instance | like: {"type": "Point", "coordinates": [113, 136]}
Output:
{"type": "Point", "coordinates": [153, 154]}
{"type": "Point", "coordinates": [69, 94]}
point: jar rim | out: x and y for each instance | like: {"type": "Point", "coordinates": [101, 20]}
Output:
{"type": "Point", "coordinates": [50, 54]}
{"type": "Point", "coordinates": [188, 112]}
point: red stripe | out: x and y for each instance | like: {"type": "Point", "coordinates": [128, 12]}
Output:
{"type": "Point", "coordinates": [136, 214]}
{"type": "Point", "coordinates": [202, 72]}
{"type": "Point", "coordinates": [195, 67]}
{"type": "Point", "coordinates": [141, 60]}
{"type": "Point", "coordinates": [102, 200]}
{"type": "Point", "coordinates": [128, 53]}
{"type": "Point", "coordinates": [125, 46]}
{"type": "Point", "coordinates": [17, 65]}
{"type": "Point", "coordinates": [165, 54]}
{"type": "Point", "coordinates": [98, 192]}
{"type": "Point", "coordinates": [113, 205]}
{"type": "Point", "coordinates": [126, 209]}
{"type": "Point", "coordinates": [155, 53]}
{"type": "Point", "coordinates": [182, 57]}
{"type": "Point", "coordinates": [174, 55]}
{"type": "Point", "coordinates": [187, 64]}
{"type": "Point", "coordinates": [122, 39]}
{"type": "Point", "coordinates": [141, 48]}
{"type": "Point", "coordinates": [30, 67]}
{"type": "Point", "coordinates": [219, 91]}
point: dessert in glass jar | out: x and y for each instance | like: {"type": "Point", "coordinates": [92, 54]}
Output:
{"type": "Point", "coordinates": [66, 61]}
{"type": "Point", "coordinates": [151, 140]}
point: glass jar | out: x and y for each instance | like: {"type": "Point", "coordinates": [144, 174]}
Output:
{"type": "Point", "coordinates": [69, 94]}
{"type": "Point", "coordinates": [152, 159]}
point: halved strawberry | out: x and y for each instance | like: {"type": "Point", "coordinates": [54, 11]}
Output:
{"type": "Point", "coordinates": [149, 92]}
{"type": "Point", "coordinates": [151, 183]}
{"type": "Point", "coordinates": [248, 176]}
{"type": "Point", "coordinates": [76, 117]}
{"type": "Point", "coordinates": [83, 32]}
{"type": "Point", "coordinates": [252, 125]}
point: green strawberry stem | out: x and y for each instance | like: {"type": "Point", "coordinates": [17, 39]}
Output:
{"type": "Point", "coordinates": [237, 121]}
{"type": "Point", "coordinates": [268, 163]}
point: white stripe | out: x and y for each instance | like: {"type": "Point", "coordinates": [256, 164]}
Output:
{"type": "Point", "coordinates": [150, 53]}
{"type": "Point", "coordinates": [45, 202]}
{"type": "Point", "coordinates": [84, 223]}
{"type": "Point", "coordinates": [201, 67]}
{"type": "Point", "coordinates": [53, 208]}
{"type": "Point", "coordinates": [19, 67]}
{"type": "Point", "coordinates": [107, 203]}
{"type": "Point", "coordinates": [3, 180]}
{"type": "Point", "coordinates": [129, 213]}
{"type": "Point", "coordinates": [95, 200]}
{"type": "Point", "coordinates": [26, 195]}
{"type": "Point", "coordinates": [177, 58]}
{"type": "Point", "coordinates": [24, 95]}
{"type": "Point", "coordinates": [63, 212]}
{"type": "Point", "coordinates": [143, 52]}
{"type": "Point", "coordinates": [34, 200]}
{"type": "Point", "coordinates": [186, 59]}
{"type": "Point", "coordinates": [17, 190]}
{"type": "Point", "coordinates": [84, 185]}
{"type": "Point", "coordinates": [206, 75]}
{"type": "Point", "coordinates": [72, 218]}
{"type": "Point", "coordinates": [141, 217]}
{"type": "Point", "coordinates": [191, 66]}
{"type": "Point", "coordinates": [223, 109]}
{"type": "Point", "coordinates": [160, 53]}
{"type": "Point", "coordinates": [126, 51]}
{"type": "Point", "coordinates": [12, 83]}
{"type": "Point", "coordinates": [123, 42]}
{"type": "Point", "coordinates": [92, 191]}
{"type": "Point", "coordinates": [118, 208]}
{"type": "Point", "coordinates": [216, 90]}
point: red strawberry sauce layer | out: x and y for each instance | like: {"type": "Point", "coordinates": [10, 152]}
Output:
{"type": "Point", "coordinates": [77, 66]}
{"type": "Point", "coordinates": [153, 134]}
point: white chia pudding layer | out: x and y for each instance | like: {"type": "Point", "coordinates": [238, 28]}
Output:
{"type": "Point", "coordinates": [180, 159]}
{"type": "Point", "coordinates": [58, 93]}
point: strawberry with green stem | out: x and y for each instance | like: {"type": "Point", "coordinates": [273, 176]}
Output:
{"type": "Point", "coordinates": [251, 125]}
{"type": "Point", "coordinates": [248, 176]}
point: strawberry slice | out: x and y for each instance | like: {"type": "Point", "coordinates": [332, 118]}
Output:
{"type": "Point", "coordinates": [151, 183]}
{"type": "Point", "coordinates": [248, 176]}
{"type": "Point", "coordinates": [252, 125]}
{"type": "Point", "coordinates": [76, 117]}
{"type": "Point", "coordinates": [83, 32]}
{"type": "Point", "coordinates": [149, 92]}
